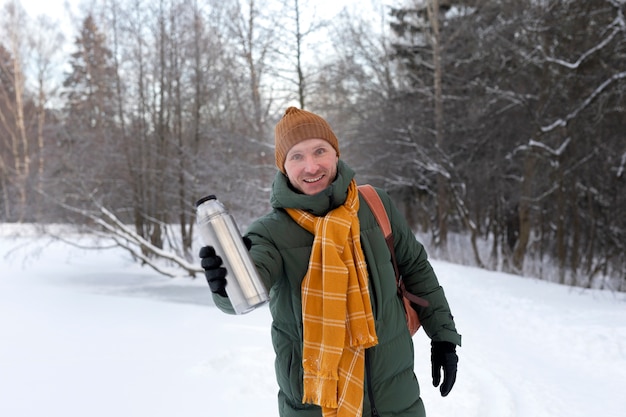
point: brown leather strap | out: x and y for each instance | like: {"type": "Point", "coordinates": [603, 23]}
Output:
{"type": "Point", "coordinates": [373, 200]}
{"type": "Point", "coordinates": [376, 205]}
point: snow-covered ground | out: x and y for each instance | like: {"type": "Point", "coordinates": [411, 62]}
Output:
{"type": "Point", "coordinates": [89, 333]}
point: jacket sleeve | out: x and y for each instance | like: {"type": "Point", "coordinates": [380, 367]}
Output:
{"type": "Point", "coordinates": [420, 279]}
{"type": "Point", "coordinates": [266, 256]}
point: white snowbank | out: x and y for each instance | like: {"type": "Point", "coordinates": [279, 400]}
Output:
{"type": "Point", "coordinates": [90, 333]}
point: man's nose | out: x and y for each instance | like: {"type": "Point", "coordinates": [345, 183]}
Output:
{"type": "Point", "coordinates": [310, 164]}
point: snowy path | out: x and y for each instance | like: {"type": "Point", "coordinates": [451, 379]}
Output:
{"type": "Point", "coordinates": [89, 333]}
{"type": "Point", "coordinates": [534, 348]}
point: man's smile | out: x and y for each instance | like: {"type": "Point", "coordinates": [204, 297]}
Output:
{"type": "Point", "coordinates": [312, 180]}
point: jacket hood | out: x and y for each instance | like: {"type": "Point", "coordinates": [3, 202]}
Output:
{"type": "Point", "coordinates": [285, 196]}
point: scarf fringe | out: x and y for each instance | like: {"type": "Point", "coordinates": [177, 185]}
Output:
{"type": "Point", "coordinates": [320, 390]}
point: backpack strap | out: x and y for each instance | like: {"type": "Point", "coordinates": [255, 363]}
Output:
{"type": "Point", "coordinates": [373, 200]}
{"type": "Point", "coordinates": [375, 204]}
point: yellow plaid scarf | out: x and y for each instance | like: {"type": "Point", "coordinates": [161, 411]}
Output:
{"type": "Point", "coordinates": [338, 323]}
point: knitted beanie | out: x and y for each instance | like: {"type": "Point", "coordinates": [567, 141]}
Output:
{"type": "Point", "coordinates": [296, 126]}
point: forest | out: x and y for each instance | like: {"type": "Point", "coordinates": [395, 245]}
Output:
{"type": "Point", "coordinates": [497, 126]}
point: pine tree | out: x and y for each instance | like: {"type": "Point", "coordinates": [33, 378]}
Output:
{"type": "Point", "coordinates": [90, 86]}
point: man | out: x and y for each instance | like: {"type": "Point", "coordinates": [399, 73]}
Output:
{"type": "Point", "coordinates": [339, 329]}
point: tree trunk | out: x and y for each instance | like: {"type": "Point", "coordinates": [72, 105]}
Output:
{"type": "Point", "coordinates": [19, 139]}
{"type": "Point", "coordinates": [442, 181]}
{"type": "Point", "coordinates": [524, 212]}
{"type": "Point", "coordinates": [561, 208]}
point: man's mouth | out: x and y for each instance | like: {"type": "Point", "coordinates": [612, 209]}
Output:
{"type": "Point", "coordinates": [312, 180]}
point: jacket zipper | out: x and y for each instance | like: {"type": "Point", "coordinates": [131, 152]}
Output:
{"type": "Point", "coordinates": [370, 392]}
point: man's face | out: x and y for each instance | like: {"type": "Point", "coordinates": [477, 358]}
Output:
{"type": "Point", "coordinates": [311, 165]}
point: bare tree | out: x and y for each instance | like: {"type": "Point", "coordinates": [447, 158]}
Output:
{"type": "Point", "coordinates": [420, 46]}
{"type": "Point", "coordinates": [46, 42]}
{"type": "Point", "coordinates": [501, 120]}
{"type": "Point", "coordinates": [253, 33]}
{"type": "Point", "coordinates": [23, 109]}
{"type": "Point", "coordinates": [299, 48]}
{"type": "Point", "coordinates": [14, 101]}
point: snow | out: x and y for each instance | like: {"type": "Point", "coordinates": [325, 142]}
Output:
{"type": "Point", "coordinates": [88, 332]}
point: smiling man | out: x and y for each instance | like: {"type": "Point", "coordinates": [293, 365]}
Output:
{"type": "Point", "coordinates": [339, 329]}
{"type": "Point", "coordinates": [307, 150]}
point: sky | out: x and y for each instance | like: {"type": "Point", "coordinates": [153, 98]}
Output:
{"type": "Point", "coordinates": [61, 10]}
{"type": "Point", "coordinates": [49, 7]}
{"type": "Point", "coordinates": [57, 8]}
{"type": "Point", "coordinates": [89, 332]}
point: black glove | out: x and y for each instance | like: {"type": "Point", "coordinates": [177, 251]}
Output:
{"type": "Point", "coordinates": [443, 355]}
{"type": "Point", "coordinates": [213, 271]}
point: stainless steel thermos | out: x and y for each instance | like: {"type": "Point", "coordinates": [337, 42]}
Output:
{"type": "Point", "coordinates": [217, 228]}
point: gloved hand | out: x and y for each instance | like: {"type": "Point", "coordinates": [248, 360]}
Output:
{"type": "Point", "coordinates": [443, 355]}
{"type": "Point", "coordinates": [214, 272]}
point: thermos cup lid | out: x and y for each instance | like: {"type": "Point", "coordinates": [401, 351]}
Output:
{"type": "Point", "coordinates": [207, 198]}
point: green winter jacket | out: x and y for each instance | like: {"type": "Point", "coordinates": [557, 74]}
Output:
{"type": "Point", "coordinates": [281, 251]}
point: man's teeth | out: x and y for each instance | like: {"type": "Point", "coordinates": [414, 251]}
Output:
{"type": "Point", "coordinates": [314, 179]}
